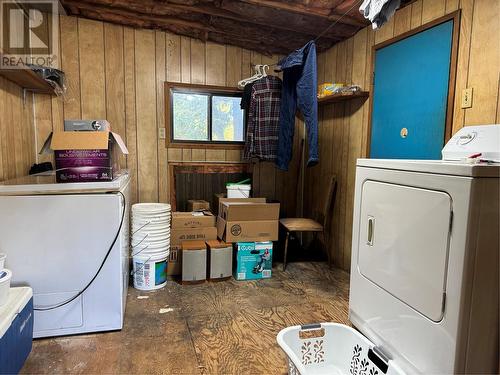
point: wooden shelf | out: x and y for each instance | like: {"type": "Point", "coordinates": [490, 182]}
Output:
{"type": "Point", "coordinates": [335, 98]}
{"type": "Point", "coordinates": [28, 80]}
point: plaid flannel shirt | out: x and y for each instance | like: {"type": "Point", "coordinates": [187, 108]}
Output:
{"type": "Point", "coordinates": [263, 120]}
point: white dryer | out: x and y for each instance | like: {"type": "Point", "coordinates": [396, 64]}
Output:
{"type": "Point", "coordinates": [70, 243]}
{"type": "Point", "coordinates": [425, 256]}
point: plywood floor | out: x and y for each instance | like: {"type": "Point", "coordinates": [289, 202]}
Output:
{"type": "Point", "coordinates": [228, 327]}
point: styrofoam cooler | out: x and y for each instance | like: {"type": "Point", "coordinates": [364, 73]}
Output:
{"type": "Point", "coordinates": [332, 349]}
{"type": "Point", "coordinates": [16, 330]}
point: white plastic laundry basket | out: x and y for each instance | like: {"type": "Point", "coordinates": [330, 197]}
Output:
{"type": "Point", "coordinates": [332, 349]}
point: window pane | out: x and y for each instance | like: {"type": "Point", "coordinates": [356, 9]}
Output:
{"type": "Point", "coordinates": [190, 116]}
{"type": "Point", "coordinates": [227, 119]}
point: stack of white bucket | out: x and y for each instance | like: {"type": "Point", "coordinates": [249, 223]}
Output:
{"type": "Point", "coordinates": [150, 244]}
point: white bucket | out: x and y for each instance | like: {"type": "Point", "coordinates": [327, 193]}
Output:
{"type": "Point", "coordinates": [5, 276]}
{"type": "Point", "coordinates": [2, 260]}
{"type": "Point", "coordinates": [150, 271]}
{"type": "Point", "coordinates": [238, 191]}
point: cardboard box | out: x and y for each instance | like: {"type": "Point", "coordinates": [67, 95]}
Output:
{"type": "Point", "coordinates": [253, 260]}
{"type": "Point", "coordinates": [245, 231]}
{"type": "Point", "coordinates": [198, 205]}
{"type": "Point", "coordinates": [249, 211]}
{"type": "Point", "coordinates": [85, 156]}
{"type": "Point", "coordinates": [177, 236]}
{"type": "Point", "coordinates": [230, 200]}
{"type": "Point", "coordinates": [183, 220]}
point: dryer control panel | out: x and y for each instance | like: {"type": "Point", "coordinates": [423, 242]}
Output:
{"type": "Point", "coordinates": [480, 142]}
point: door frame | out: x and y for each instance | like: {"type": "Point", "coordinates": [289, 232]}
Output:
{"type": "Point", "coordinates": [455, 16]}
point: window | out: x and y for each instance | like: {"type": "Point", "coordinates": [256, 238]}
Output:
{"type": "Point", "coordinates": [204, 115]}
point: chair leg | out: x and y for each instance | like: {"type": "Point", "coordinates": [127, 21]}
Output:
{"type": "Point", "coordinates": [286, 250]}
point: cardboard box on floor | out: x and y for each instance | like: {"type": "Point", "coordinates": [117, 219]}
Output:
{"type": "Point", "coordinates": [198, 205]}
{"type": "Point", "coordinates": [188, 227]}
{"type": "Point", "coordinates": [85, 156]}
{"type": "Point", "coordinates": [247, 220]}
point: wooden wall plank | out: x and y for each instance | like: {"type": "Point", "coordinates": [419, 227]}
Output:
{"type": "Point", "coordinates": [416, 14]}
{"type": "Point", "coordinates": [197, 61]}
{"type": "Point", "coordinates": [402, 20]}
{"type": "Point", "coordinates": [385, 32]}
{"type": "Point", "coordinates": [160, 74]}
{"type": "Point", "coordinates": [484, 63]}
{"type": "Point", "coordinates": [115, 79]}
{"type": "Point", "coordinates": [173, 57]}
{"type": "Point", "coordinates": [185, 59]}
{"type": "Point", "coordinates": [130, 109]}
{"type": "Point", "coordinates": [216, 64]}
{"type": "Point", "coordinates": [198, 154]}
{"type": "Point", "coordinates": [92, 82]}
{"type": "Point", "coordinates": [145, 88]}
{"type": "Point", "coordinates": [70, 63]}
{"type": "Point", "coordinates": [233, 65]}
{"type": "Point", "coordinates": [462, 72]}
{"type": "Point", "coordinates": [432, 9]}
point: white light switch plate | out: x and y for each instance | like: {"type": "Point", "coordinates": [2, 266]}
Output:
{"type": "Point", "coordinates": [467, 98]}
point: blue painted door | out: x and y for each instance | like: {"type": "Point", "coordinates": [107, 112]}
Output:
{"type": "Point", "coordinates": [410, 95]}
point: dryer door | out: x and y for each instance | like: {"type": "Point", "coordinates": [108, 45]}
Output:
{"type": "Point", "coordinates": [403, 246]}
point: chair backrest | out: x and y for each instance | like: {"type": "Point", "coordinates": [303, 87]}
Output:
{"type": "Point", "coordinates": [328, 200]}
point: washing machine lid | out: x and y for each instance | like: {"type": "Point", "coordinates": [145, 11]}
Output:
{"type": "Point", "coordinates": [45, 183]}
{"type": "Point", "coordinates": [474, 151]}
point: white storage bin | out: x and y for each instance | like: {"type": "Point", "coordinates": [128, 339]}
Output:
{"type": "Point", "coordinates": [238, 190]}
{"type": "Point", "coordinates": [331, 349]}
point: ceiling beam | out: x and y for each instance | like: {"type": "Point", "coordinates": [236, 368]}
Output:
{"type": "Point", "coordinates": [304, 10]}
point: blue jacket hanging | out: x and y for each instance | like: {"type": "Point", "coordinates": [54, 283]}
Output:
{"type": "Point", "coordinates": [300, 82]}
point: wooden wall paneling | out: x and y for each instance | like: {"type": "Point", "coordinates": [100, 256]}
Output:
{"type": "Point", "coordinates": [186, 154]}
{"type": "Point", "coordinates": [174, 154]}
{"type": "Point", "coordinates": [27, 133]}
{"type": "Point", "coordinates": [160, 74]}
{"type": "Point", "coordinates": [370, 42]}
{"type": "Point", "coordinates": [233, 64]}
{"type": "Point", "coordinates": [115, 82]}
{"type": "Point", "coordinates": [198, 154]}
{"type": "Point", "coordinates": [9, 132]}
{"type": "Point", "coordinates": [145, 90]}
{"type": "Point", "coordinates": [43, 124]}
{"type": "Point", "coordinates": [92, 81]}
{"type": "Point", "coordinates": [130, 108]}
{"type": "Point", "coordinates": [385, 32]}
{"type": "Point", "coordinates": [233, 155]}
{"type": "Point", "coordinates": [267, 169]}
{"type": "Point", "coordinates": [173, 45]}
{"type": "Point", "coordinates": [16, 136]}
{"type": "Point", "coordinates": [432, 9]}
{"type": "Point", "coordinates": [338, 160]}
{"type": "Point", "coordinates": [57, 102]}
{"type": "Point", "coordinates": [197, 61]}
{"type": "Point", "coordinates": [215, 155]}
{"type": "Point", "coordinates": [185, 59]}
{"type": "Point", "coordinates": [451, 6]}
{"type": "Point", "coordinates": [484, 63]}
{"type": "Point", "coordinates": [402, 20]}
{"type": "Point", "coordinates": [255, 58]}
{"type": "Point", "coordinates": [416, 14]}
{"type": "Point", "coordinates": [345, 243]}
{"type": "Point", "coordinates": [215, 64]}
{"type": "Point", "coordinates": [3, 130]}
{"type": "Point", "coordinates": [70, 64]}
{"type": "Point", "coordinates": [355, 136]}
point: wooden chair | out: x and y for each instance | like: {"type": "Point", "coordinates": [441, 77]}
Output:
{"type": "Point", "coordinates": [322, 220]}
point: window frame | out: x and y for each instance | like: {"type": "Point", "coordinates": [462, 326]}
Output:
{"type": "Point", "coordinates": [210, 91]}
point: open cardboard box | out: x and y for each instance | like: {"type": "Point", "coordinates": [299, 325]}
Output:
{"type": "Point", "coordinates": [201, 219]}
{"type": "Point", "coordinates": [247, 219]}
{"type": "Point", "coordinates": [84, 156]}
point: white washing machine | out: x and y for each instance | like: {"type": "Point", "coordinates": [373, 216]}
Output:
{"type": "Point", "coordinates": [425, 256]}
{"type": "Point", "coordinates": [56, 237]}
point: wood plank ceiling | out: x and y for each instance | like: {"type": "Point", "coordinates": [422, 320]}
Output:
{"type": "Point", "coordinates": [266, 26]}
